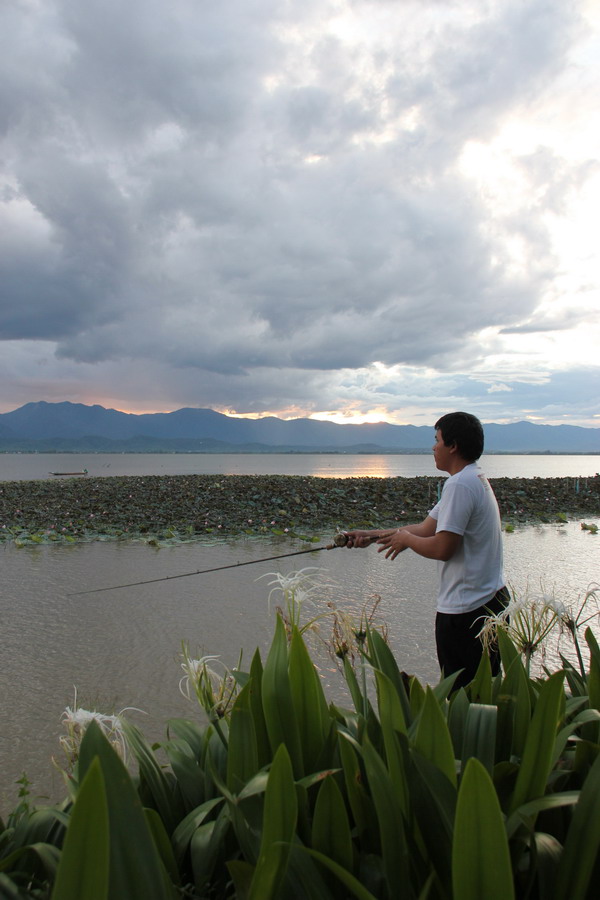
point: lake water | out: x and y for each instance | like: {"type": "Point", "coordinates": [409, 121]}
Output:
{"type": "Point", "coordinates": [121, 648]}
{"type": "Point", "coordinates": [33, 466]}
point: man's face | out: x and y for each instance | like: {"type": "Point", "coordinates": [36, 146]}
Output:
{"type": "Point", "coordinates": [442, 454]}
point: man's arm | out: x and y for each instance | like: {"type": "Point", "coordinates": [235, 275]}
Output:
{"type": "Point", "coordinates": [426, 528]}
{"type": "Point", "coordinates": [423, 539]}
{"type": "Point", "coordinates": [364, 538]}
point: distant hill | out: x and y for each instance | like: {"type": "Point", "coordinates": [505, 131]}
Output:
{"type": "Point", "coordinates": [75, 427]}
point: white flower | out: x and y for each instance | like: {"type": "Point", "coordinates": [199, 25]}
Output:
{"type": "Point", "coordinates": [557, 606]}
{"type": "Point", "coordinates": [215, 691]}
{"type": "Point", "coordinates": [195, 670]}
{"type": "Point", "coordinates": [297, 589]}
{"type": "Point", "coordinates": [530, 621]}
{"type": "Point", "coordinates": [76, 721]}
{"type": "Point", "coordinates": [301, 584]}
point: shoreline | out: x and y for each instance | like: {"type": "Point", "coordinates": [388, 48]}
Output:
{"type": "Point", "coordinates": [279, 451]}
{"type": "Point", "coordinates": [160, 508]}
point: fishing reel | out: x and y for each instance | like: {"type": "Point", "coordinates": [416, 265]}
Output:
{"type": "Point", "coordinates": [341, 539]}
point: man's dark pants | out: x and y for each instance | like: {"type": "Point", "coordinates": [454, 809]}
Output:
{"type": "Point", "coordinates": [458, 646]}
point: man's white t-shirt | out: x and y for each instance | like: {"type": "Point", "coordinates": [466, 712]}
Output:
{"type": "Point", "coordinates": [472, 576]}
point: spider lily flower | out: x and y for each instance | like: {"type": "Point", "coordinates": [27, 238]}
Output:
{"type": "Point", "coordinates": [297, 589]}
{"type": "Point", "coordinates": [76, 721]}
{"type": "Point", "coordinates": [529, 622]}
{"type": "Point", "coordinates": [526, 621]}
{"type": "Point", "coordinates": [557, 606]}
{"type": "Point", "coordinates": [300, 585]}
{"type": "Point", "coordinates": [349, 637]}
{"type": "Point", "coordinates": [215, 692]}
{"type": "Point", "coordinates": [571, 622]}
{"type": "Point", "coordinates": [195, 670]}
{"type": "Point", "coordinates": [591, 599]}
{"type": "Point", "coordinates": [343, 636]}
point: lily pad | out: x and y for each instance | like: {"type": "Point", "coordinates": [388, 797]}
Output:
{"type": "Point", "coordinates": [176, 508]}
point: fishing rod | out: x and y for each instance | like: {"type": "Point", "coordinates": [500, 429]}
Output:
{"type": "Point", "coordinates": [340, 540]}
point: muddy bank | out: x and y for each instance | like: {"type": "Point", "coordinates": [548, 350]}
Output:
{"type": "Point", "coordinates": [166, 508]}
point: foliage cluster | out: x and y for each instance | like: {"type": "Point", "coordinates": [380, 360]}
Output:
{"type": "Point", "coordinates": [163, 509]}
{"type": "Point", "coordinates": [413, 792]}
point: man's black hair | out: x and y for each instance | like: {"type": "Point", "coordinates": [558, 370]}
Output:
{"type": "Point", "coordinates": [463, 430]}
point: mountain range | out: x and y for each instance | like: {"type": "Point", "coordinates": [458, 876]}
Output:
{"type": "Point", "coordinates": [75, 427]}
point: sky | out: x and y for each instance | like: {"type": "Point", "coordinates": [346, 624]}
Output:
{"type": "Point", "coordinates": [360, 210]}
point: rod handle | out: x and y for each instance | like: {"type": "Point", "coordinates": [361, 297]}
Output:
{"type": "Point", "coordinates": [339, 540]}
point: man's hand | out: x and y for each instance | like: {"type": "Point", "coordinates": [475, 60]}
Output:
{"type": "Point", "coordinates": [441, 545]}
{"type": "Point", "coordinates": [392, 543]}
{"type": "Point", "coordinates": [361, 538]}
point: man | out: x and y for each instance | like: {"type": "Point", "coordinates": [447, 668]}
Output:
{"type": "Point", "coordinates": [463, 533]}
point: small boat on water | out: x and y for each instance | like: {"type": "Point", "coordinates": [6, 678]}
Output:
{"type": "Point", "coordinates": [82, 472]}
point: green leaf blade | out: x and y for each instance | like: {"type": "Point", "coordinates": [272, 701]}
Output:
{"type": "Point", "coordinates": [279, 825]}
{"type": "Point", "coordinates": [537, 755]}
{"type": "Point", "coordinates": [84, 866]}
{"type": "Point", "coordinates": [481, 865]}
{"type": "Point", "coordinates": [280, 718]}
{"type": "Point", "coordinates": [432, 737]}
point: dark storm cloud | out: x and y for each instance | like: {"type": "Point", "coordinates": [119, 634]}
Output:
{"type": "Point", "coordinates": [234, 194]}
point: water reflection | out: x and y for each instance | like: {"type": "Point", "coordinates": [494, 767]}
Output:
{"type": "Point", "coordinates": [33, 466]}
{"type": "Point", "coordinates": [121, 647]}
